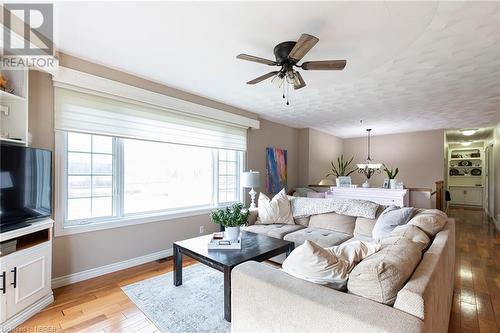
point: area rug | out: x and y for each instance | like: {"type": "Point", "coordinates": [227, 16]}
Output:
{"type": "Point", "coordinates": [195, 306]}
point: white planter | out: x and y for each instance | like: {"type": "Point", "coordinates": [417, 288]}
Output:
{"type": "Point", "coordinates": [232, 232]}
{"type": "Point", "coordinates": [393, 183]}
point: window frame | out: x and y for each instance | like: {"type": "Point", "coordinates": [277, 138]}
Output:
{"type": "Point", "coordinates": [119, 218]}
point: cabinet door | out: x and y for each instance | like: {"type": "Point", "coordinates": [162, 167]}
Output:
{"type": "Point", "coordinates": [457, 195]}
{"type": "Point", "coordinates": [474, 196]}
{"type": "Point", "coordinates": [29, 273]}
{"type": "Point", "coordinates": [3, 291]}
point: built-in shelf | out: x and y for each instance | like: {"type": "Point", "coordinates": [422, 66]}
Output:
{"type": "Point", "coordinates": [6, 96]}
{"type": "Point", "coordinates": [21, 142]}
{"type": "Point", "coordinates": [14, 107]}
{"type": "Point", "coordinates": [465, 158]}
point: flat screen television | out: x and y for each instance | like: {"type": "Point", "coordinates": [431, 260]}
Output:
{"type": "Point", "coordinates": [25, 185]}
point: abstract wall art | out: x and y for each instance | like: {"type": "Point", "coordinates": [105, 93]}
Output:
{"type": "Point", "coordinates": [276, 168]}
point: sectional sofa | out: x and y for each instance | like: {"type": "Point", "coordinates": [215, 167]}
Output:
{"type": "Point", "coordinates": [266, 299]}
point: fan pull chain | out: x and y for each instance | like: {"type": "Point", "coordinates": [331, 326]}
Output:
{"type": "Point", "coordinates": [283, 91]}
{"type": "Point", "coordinates": [287, 94]}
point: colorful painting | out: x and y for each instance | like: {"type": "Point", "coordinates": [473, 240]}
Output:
{"type": "Point", "coordinates": [276, 163]}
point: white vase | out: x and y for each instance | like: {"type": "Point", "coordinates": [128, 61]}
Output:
{"type": "Point", "coordinates": [393, 183]}
{"type": "Point", "coordinates": [366, 184]}
{"type": "Point", "coordinates": [232, 232]}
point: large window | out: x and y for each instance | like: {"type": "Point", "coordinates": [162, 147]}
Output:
{"type": "Point", "coordinates": [111, 179]}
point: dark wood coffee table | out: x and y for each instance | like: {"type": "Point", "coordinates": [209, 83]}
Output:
{"type": "Point", "coordinates": [254, 247]}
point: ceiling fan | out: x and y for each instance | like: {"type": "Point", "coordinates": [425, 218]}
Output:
{"type": "Point", "coordinates": [288, 54]}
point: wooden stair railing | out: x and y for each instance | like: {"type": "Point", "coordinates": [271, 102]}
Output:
{"type": "Point", "coordinates": [439, 194]}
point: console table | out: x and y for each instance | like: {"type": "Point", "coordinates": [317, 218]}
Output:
{"type": "Point", "coordinates": [381, 196]}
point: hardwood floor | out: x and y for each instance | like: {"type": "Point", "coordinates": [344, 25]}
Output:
{"type": "Point", "coordinates": [99, 305]}
{"type": "Point", "coordinates": [476, 301]}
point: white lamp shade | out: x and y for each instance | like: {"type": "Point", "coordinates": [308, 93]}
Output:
{"type": "Point", "coordinates": [250, 179]}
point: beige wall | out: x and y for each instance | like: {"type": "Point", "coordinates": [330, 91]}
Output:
{"type": "Point", "coordinates": [418, 155]}
{"type": "Point", "coordinates": [497, 172]}
{"type": "Point", "coordinates": [274, 135]}
{"type": "Point", "coordinates": [79, 252]}
{"type": "Point", "coordinates": [323, 148]}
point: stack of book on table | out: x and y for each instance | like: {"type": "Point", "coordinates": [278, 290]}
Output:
{"type": "Point", "coordinates": [219, 242]}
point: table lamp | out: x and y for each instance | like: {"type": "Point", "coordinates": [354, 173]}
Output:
{"type": "Point", "coordinates": [251, 179]}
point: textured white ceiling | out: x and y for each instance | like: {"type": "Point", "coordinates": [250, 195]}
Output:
{"type": "Point", "coordinates": [410, 65]}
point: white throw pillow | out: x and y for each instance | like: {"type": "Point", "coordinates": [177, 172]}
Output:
{"type": "Point", "coordinates": [277, 210]}
{"type": "Point", "coordinates": [330, 266]}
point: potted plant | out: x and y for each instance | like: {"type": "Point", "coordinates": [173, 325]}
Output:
{"type": "Point", "coordinates": [391, 174]}
{"type": "Point", "coordinates": [231, 218]}
{"type": "Point", "coordinates": [341, 169]}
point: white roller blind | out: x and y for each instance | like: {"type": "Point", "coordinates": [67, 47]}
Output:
{"type": "Point", "coordinates": [89, 113]}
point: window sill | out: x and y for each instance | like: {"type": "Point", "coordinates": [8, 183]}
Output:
{"type": "Point", "coordinates": [61, 230]}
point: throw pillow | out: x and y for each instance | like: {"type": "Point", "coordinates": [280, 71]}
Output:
{"type": "Point", "coordinates": [390, 218]}
{"type": "Point", "coordinates": [431, 221]}
{"type": "Point", "coordinates": [330, 266]}
{"type": "Point", "coordinates": [277, 210]}
{"type": "Point", "coordinates": [382, 275]}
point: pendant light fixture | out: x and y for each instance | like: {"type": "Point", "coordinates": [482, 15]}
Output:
{"type": "Point", "coordinates": [369, 167]}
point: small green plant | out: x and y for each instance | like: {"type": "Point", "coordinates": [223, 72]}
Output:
{"type": "Point", "coordinates": [391, 173]}
{"type": "Point", "coordinates": [341, 169]}
{"type": "Point", "coordinates": [231, 216]}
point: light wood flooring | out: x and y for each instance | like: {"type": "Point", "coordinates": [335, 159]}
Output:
{"type": "Point", "coordinates": [99, 305]}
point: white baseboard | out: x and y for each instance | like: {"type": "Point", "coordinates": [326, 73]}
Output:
{"type": "Point", "coordinates": [27, 313]}
{"type": "Point", "coordinates": [98, 271]}
{"type": "Point", "coordinates": [497, 222]}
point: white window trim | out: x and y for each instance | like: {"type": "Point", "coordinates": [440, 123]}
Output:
{"type": "Point", "coordinates": [60, 184]}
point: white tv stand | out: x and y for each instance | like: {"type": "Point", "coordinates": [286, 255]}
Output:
{"type": "Point", "coordinates": [25, 275]}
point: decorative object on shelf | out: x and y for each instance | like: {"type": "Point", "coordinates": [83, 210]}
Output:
{"type": "Point", "coordinates": [341, 170]}
{"type": "Point", "coordinates": [465, 163]}
{"type": "Point", "coordinates": [454, 172]}
{"type": "Point", "coordinates": [476, 172]}
{"type": "Point", "coordinates": [251, 179]}
{"type": "Point", "coordinates": [386, 183]}
{"type": "Point", "coordinates": [3, 83]}
{"type": "Point", "coordinates": [391, 174]}
{"type": "Point", "coordinates": [475, 155]}
{"type": "Point", "coordinates": [276, 168]}
{"type": "Point", "coordinates": [326, 181]}
{"type": "Point", "coordinates": [231, 218]}
{"type": "Point", "coordinates": [344, 181]}
{"type": "Point", "coordinates": [369, 167]}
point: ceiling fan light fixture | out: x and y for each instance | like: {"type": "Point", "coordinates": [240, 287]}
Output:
{"type": "Point", "coordinates": [469, 132]}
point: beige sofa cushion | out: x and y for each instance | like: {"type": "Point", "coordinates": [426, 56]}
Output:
{"type": "Point", "coordinates": [327, 266]}
{"type": "Point", "coordinates": [322, 237]}
{"type": "Point", "coordinates": [334, 222]}
{"type": "Point", "coordinates": [304, 220]}
{"type": "Point", "coordinates": [277, 210]}
{"type": "Point", "coordinates": [431, 221]}
{"type": "Point", "coordinates": [380, 276]}
{"type": "Point", "coordinates": [273, 230]}
{"type": "Point", "coordinates": [364, 226]}
{"type": "Point", "coordinates": [409, 232]}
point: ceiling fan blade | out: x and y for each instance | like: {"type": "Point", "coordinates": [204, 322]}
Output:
{"type": "Point", "coordinates": [301, 82]}
{"type": "Point", "coordinates": [303, 45]}
{"type": "Point", "coordinates": [256, 59]}
{"type": "Point", "coordinates": [263, 77]}
{"type": "Point", "coordinates": [324, 65]}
